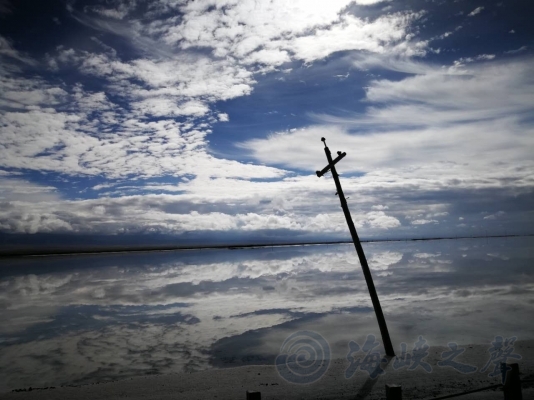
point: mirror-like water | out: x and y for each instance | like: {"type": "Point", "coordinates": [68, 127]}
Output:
{"type": "Point", "coordinates": [87, 318]}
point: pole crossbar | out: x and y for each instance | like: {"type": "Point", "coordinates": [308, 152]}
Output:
{"type": "Point", "coordinates": [359, 249]}
{"type": "Point", "coordinates": [329, 166]}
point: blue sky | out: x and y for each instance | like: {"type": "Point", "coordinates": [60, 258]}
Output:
{"type": "Point", "coordinates": [204, 118]}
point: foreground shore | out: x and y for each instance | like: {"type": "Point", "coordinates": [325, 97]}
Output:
{"type": "Point", "coordinates": [232, 383]}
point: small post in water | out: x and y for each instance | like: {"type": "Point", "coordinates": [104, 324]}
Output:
{"type": "Point", "coordinates": [511, 381]}
{"type": "Point", "coordinates": [393, 392]}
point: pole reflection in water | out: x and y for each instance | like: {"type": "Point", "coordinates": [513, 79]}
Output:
{"type": "Point", "coordinates": [91, 318]}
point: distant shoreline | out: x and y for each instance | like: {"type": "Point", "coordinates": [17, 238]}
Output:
{"type": "Point", "coordinates": [146, 249]}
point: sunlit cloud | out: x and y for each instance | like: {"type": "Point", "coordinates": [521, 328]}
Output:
{"type": "Point", "coordinates": [171, 111]}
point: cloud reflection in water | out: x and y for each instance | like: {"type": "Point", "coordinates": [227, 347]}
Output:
{"type": "Point", "coordinates": [87, 318]}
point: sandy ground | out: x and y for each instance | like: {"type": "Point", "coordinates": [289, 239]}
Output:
{"type": "Point", "coordinates": [232, 383]}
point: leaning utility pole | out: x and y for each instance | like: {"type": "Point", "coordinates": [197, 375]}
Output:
{"type": "Point", "coordinates": [363, 261]}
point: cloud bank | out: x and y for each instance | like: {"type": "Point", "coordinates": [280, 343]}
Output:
{"type": "Point", "coordinates": [136, 113]}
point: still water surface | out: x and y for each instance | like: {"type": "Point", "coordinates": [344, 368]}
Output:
{"type": "Point", "coordinates": [81, 319]}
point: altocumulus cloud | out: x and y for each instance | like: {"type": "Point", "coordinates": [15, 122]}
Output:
{"type": "Point", "coordinates": [142, 100]}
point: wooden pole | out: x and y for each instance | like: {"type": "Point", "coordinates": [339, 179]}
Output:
{"type": "Point", "coordinates": [359, 249]}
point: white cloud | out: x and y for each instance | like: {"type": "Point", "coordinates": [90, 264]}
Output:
{"type": "Point", "coordinates": [486, 57]}
{"type": "Point", "coordinates": [103, 186]}
{"type": "Point", "coordinates": [9, 173]}
{"type": "Point", "coordinates": [380, 207]}
{"type": "Point", "coordinates": [476, 11]}
{"type": "Point", "coordinates": [379, 219]}
{"type": "Point", "coordinates": [393, 159]}
{"type": "Point", "coordinates": [264, 31]}
{"type": "Point", "coordinates": [438, 120]}
{"type": "Point", "coordinates": [516, 51]}
{"type": "Point", "coordinates": [95, 136]}
{"type": "Point", "coordinates": [352, 33]}
{"type": "Point", "coordinates": [424, 221]}
{"type": "Point", "coordinates": [369, 2]}
{"type": "Point", "coordinates": [447, 34]}
{"type": "Point", "coordinates": [79, 140]}
{"type": "Point", "coordinates": [165, 107]}
{"type": "Point", "coordinates": [498, 214]}
{"type": "Point", "coordinates": [409, 152]}
{"type": "Point", "coordinates": [111, 13]}
{"type": "Point", "coordinates": [14, 189]}
{"type": "Point", "coordinates": [151, 116]}
{"type": "Point", "coordinates": [98, 217]}
{"type": "Point", "coordinates": [272, 57]}
{"type": "Point", "coordinates": [482, 57]}
{"type": "Point", "coordinates": [23, 93]}
{"type": "Point", "coordinates": [392, 62]}
{"type": "Point", "coordinates": [220, 204]}
{"type": "Point", "coordinates": [7, 50]}
{"type": "Point", "coordinates": [87, 133]}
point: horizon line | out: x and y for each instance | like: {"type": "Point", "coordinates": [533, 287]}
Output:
{"type": "Point", "coordinates": [147, 249]}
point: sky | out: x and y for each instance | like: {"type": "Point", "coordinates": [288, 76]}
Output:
{"type": "Point", "coordinates": [201, 120]}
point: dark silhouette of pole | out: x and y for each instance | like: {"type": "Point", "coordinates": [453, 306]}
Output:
{"type": "Point", "coordinates": [359, 249]}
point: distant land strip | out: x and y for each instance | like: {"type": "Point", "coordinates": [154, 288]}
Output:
{"type": "Point", "coordinates": [7, 253]}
